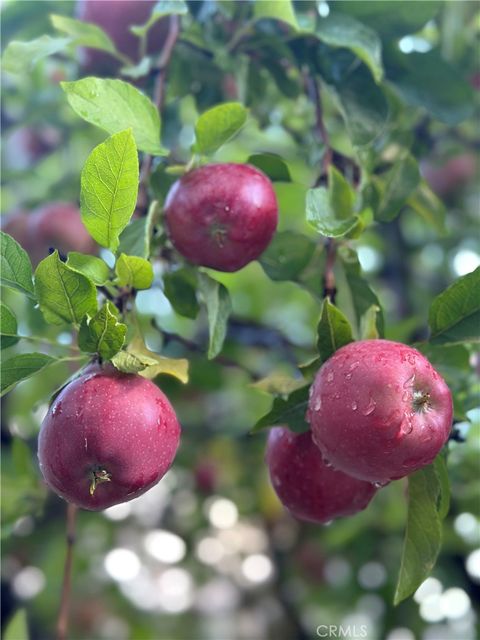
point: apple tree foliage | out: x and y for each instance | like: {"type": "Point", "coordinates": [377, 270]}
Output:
{"type": "Point", "coordinates": [336, 112]}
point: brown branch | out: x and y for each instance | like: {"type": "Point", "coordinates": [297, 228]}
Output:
{"type": "Point", "coordinates": [62, 621]}
{"type": "Point", "coordinates": [159, 70]}
{"type": "Point", "coordinates": [196, 348]}
{"type": "Point", "coordinates": [329, 287]}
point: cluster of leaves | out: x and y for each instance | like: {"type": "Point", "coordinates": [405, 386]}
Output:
{"type": "Point", "coordinates": [372, 93]}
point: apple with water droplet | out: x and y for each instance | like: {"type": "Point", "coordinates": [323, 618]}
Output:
{"type": "Point", "coordinates": [378, 410]}
{"type": "Point", "coordinates": [222, 216]}
{"type": "Point", "coordinates": [307, 486]}
{"type": "Point", "coordinates": [107, 438]}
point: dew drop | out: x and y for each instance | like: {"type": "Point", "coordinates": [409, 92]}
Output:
{"type": "Point", "coordinates": [409, 382]}
{"type": "Point", "coordinates": [379, 485]}
{"type": "Point", "coordinates": [370, 408]}
{"type": "Point", "coordinates": [411, 359]}
{"type": "Point", "coordinates": [354, 365]}
{"type": "Point", "coordinates": [348, 376]}
{"type": "Point", "coordinates": [57, 409]}
{"type": "Point", "coordinates": [327, 463]}
{"type": "Point", "coordinates": [317, 405]}
{"type": "Point", "coordinates": [330, 376]}
{"type": "Point", "coordinates": [354, 406]}
{"type": "Point", "coordinates": [407, 425]}
{"type": "Point", "coordinates": [406, 396]}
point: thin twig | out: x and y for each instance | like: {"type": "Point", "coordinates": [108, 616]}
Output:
{"type": "Point", "coordinates": [329, 287]}
{"type": "Point", "coordinates": [196, 348]}
{"type": "Point", "coordinates": [62, 621]}
{"type": "Point", "coordinates": [159, 69]}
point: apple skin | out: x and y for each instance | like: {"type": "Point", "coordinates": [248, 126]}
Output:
{"type": "Point", "coordinates": [56, 225]}
{"type": "Point", "coordinates": [447, 177]}
{"type": "Point", "coordinates": [309, 488]}
{"type": "Point", "coordinates": [378, 410]}
{"type": "Point", "coordinates": [222, 216]}
{"type": "Point", "coordinates": [116, 17]}
{"type": "Point", "coordinates": [107, 421]}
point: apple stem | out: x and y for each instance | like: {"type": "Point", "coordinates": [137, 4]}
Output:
{"type": "Point", "coordinates": [99, 476]}
{"type": "Point", "coordinates": [62, 621]}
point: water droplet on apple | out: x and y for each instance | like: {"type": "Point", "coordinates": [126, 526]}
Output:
{"type": "Point", "coordinates": [379, 485]}
{"type": "Point", "coordinates": [354, 406]}
{"type": "Point", "coordinates": [330, 376]}
{"type": "Point", "coordinates": [407, 425]}
{"type": "Point", "coordinates": [354, 365]}
{"type": "Point", "coordinates": [370, 408]}
{"type": "Point", "coordinates": [409, 382]}
{"type": "Point", "coordinates": [348, 376]}
{"type": "Point", "coordinates": [406, 396]}
{"type": "Point", "coordinates": [57, 409]}
{"type": "Point", "coordinates": [317, 405]}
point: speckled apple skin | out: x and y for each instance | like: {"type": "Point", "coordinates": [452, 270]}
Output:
{"type": "Point", "coordinates": [362, 410]}
{"type": "Point", "coordinates": [113, 421]}
{"type": "Point", "coordinates": [306, 486]}
{"type": "Point", "coordinates": [222, 216]}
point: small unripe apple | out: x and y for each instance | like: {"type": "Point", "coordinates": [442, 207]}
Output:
{"type": "Point", "coordinates": [116, 17]}
{"type": "Point", "coordinates": [222, 216]}
{"type": "Point", "coordinates": [107, 438]}
{"type": "Point", "coordinates": [308, 487]}
{"type": "Point", "coordinates": [378, 410]}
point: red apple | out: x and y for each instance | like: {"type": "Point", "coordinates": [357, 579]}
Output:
{"type": "Point", "coordinates": [450, 175]}
{"type": "Point", "coordinates": [116, 17]}
{"type": "Point", "coordinates": [107, 438]}
{"type": "Point", "coordinates": [222, 216]}
{"type": "Point", "coordinates": [378, 410]}
{"type": "Point", "coordinates": [309, 488]}
{"type": "Point", "coordinates": [57, 225]}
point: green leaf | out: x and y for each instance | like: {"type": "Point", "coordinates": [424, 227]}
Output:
{"type": "Point", "coordinates": [128, 362]}
{"type": "Point", "coordinates": [157, 364]}
{"type": "Point", "coordinates": [160, 10]}
{"type": "Point", "coordinates": [149, 364]}
{"type": "Point", "coordinates": [423, 534]}
{"type": "Point", "coordinates": [354, 292]}
{"type": "Point", "coordinates": [342, 194]}
{"type": "Point", "coordinates": [64, 295]}
{"type": "Point", "coordinates": [426, 203]}
{"type": "Point", "coordinates": [440, 466]}
{"type": "Point", "coordinates": [287, 255]}
{"type": "Point", "coordinates": [92, 267]}
{"type": "Point", "coordinates": [368, 323]}
{"type": "Point", "coordinates": [20, 367]}
{"type": "Point", "coordinates": [364, 107]}
{"type": "Point", "coordinates": [455, 314]}
{"type": "Point", "coordinates": [217, 125]}
{"type": "Point", "coordinates": [8, 327]}
{"type": "Point", "coordinates": [321, 215]}
{"type": "Point", "coordinates": [23, 490]}
{"type": "Point", "coordinates": [20, 57]}
{"type": "Point", "coordinates": [102, 334]}
{"type": "Point", "coordinates": [272, 165]}
{"type": "Point", "coordinates": [219, 306]}
{"type": "Point", "coordinates": [288, 412]}
{"type": "Point", "coordinates": [109, 188]}
{"type": "Point", "coordinates": [134, 272]}
{"type": "Point", "coordinates": [333, 330]}
{"type": "Point", "coordinates": [135, 239]}
{"type": "Point", "coordinates": [282, 11]}
{"type": "Point", "coordinates": [399, 183]}
{"type": "Point", "coordinates": [179, 287]}
{"type": "Point", "coordinates": [15, 266]}
{"type": "Point", "coordinates": [17, 628]}
{"type": "Point", "coordinates": [397, 20]}
{"type": "Point", "coordinates": [114, 105]}
{"type": "Point", "coordinates": [426, 80]}
{"type": "Point", "coordinates": [339, 30]}
{"type": "Point", "coordinates": [278, 384]}
{"type": "Point", "coordinates": [83, 33]}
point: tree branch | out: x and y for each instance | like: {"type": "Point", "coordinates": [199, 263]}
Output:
{"type": "Point", "coordinates": [62, 621]}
